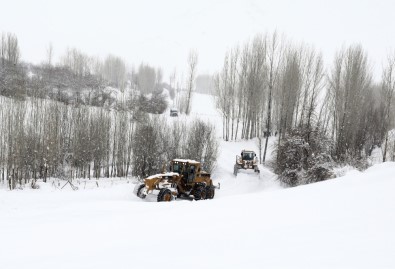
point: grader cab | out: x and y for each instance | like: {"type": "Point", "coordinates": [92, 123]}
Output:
{"type": "Point", "coordinates": [186, 179]}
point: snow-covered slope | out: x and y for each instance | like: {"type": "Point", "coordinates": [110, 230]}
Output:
{"type": "Point", "coordinates": [252, 222]}
{"type": "Point", "coordinates": [343, 223]}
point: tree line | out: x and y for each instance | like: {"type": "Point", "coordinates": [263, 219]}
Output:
{"type": "Point", "coordinates": [270, 86]}
{"type": "Point", "coordinates": [43, 138]}
{"type": "Point", "coordinates": [77, 78]}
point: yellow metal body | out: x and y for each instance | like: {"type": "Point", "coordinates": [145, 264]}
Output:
{"type": "Point", "coordinates": [183, 178]}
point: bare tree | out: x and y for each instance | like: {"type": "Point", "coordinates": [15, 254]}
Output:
{"type": "Point", "coordinates": [349, 82]}
{"type": "Point", "coordinates": [49, 55]}
{"type": "Point", "coordinates": [12, 52]}
{"type": "Point", "coordinates": [274, 56]}
{"type": "Point", "coordinates": [388, 89]}
{"type": "Point", "coordinates": [192, 64]}
{"type": "Point", "coordinates": [290, 88]}
{"type": "Point", "coordinates": [147, 78]}
{"type": "Point", "coordinates": [114, 71]}
{"type": "Point", "coordinates": [3, 48]}
{"type": "Point", "coordinates": [9, 49]}
{"type": "Point", "coordinates": [312, 86]}
{"type": "Point", "coordinates": [201, 144]}
{"type": "Point", "coordinates": [222, 100]}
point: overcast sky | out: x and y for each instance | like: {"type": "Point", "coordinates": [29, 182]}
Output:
{"type": "Point", "coordinates": [162, 33]}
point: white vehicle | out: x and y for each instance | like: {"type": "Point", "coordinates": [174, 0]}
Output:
{"type": "Point", "coordinates": [247, 160]}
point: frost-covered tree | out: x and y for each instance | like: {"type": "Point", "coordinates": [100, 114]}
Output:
{"type": "Point", "coordinates": [274, 59]}
{"type": "Point", "coordinates": [146, 79]}
{"type": "Point", "coordinates": [201, 144]}
{"type": "Point", "coordinates": [388, 90]}
{"type": "Point", "coordinates": [304, 156]}
{"type": "Point", "coordinates": [114, 71]}
{"type": "Point", "coordinates": [9, 49]}
{"type": "Point", "coordinates": [192, 69]}
{"type": "Point", "coordinates": [148, 151]}
{"type": "Point", "coordinates": [77, 61]}
{"type": "Point", "coordinates": [350, 82]}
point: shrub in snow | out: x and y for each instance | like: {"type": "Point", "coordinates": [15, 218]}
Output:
{"type": "Point", "coordinates": [359, 161]}
{"type": "Point", "coordinates": [320, 170]}
{"type": "Point", "coordinates": [303, 156]}
{"type": "Point", "coordinates": [156, 104]}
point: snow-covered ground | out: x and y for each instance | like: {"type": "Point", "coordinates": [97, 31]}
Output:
{"type": "Point", "coordinates": [253, 222]}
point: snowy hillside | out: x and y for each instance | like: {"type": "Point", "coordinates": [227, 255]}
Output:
{"type": "Point", "coordinates": [342, 223]}
{"type": "Point", "coordinates": [252, 222]}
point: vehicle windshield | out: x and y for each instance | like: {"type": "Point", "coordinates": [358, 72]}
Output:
{"type": "Point", "coordinates": [248, 156]}
{"type": "Point", "coordinates": [176, 168]}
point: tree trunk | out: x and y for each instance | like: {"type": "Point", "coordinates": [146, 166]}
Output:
{"type": "Point", "coordinates": [385, 148]}
{"type": "Point", "coordinates": [269, 114]}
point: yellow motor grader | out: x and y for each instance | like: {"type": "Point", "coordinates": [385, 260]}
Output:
{"type": "Point", "coordinates": [247, 160]}
{"type": "Point", "coordinates": [186, 179]}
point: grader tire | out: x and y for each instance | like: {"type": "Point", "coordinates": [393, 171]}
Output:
{"type": "Point", "coordinates": [164, 195]}
{"type": "Point", "coordinates": [200, 193]}
{"type": "Point", "coordinates": [210, 192]}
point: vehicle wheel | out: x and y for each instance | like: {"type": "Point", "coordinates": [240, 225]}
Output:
{"type": "Point", "coordinates": [140, 191]}
{"type": "Point", "coordinates": [200, 193]}
{"type": "Point", "coordinates": [235, 169]}
{"type": "Point", "coordinates": [164, 195]}
{"type": "Point", "coordinates": [210, 192]}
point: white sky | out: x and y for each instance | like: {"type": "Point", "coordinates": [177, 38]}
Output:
{"type": "Point", "coordinates": [162, 33]}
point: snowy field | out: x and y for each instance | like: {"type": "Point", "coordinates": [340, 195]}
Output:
{"type": "Point", "coordinates": [253, 222]}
